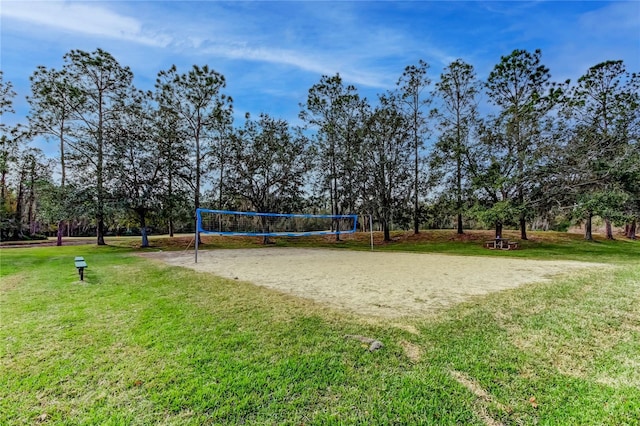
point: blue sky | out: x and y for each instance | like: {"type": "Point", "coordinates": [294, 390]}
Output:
{"type": "Point", "coordinates": [271, 53]}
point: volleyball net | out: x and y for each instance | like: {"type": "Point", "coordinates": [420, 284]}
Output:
{"type": "Point", "coordinates": [252, 224]}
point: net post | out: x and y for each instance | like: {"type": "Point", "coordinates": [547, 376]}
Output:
{"type": "Point", "coordinates": [371, 230]}
{"type": "Point", "coordinates": [196, 236]}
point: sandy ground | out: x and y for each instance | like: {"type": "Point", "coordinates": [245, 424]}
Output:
{"type": "Point", "coordinates": [372, 283]}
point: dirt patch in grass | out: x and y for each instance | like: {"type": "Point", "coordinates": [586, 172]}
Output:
{"type": "Point", "coordinates": [11, 282]}
{"type": "Point", "coordinates": [411, 350]}
{"type": "Point", "coordinates": [372, 283]}
{"type": "Point", "coordinates": [483, 397]}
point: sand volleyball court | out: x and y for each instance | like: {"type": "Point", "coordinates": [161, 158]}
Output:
{"type": "Point", "coordinates": [382, 284]}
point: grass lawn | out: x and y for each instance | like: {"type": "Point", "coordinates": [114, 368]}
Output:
{"type": "Point", "coordinates": [140, 342]}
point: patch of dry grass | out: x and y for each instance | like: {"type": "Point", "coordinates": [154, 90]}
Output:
{"type": "Point", "coordinates": [591, 333]}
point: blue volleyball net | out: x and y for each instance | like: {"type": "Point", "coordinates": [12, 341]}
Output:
{"type": "Point", "coordinates": [251, 224]}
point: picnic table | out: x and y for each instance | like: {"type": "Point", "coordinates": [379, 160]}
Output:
{"type": "Point", "coordinates": [501, 244]}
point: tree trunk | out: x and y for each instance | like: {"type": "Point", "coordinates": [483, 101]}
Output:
{"type": "Point", "coordinates": [335, 206]}
{"type": "Point", "coordinates": [265, 228]}
{"type": "Point", "coordinates": [143, 228]}
{"type": "Point", "coordinates": [100, 231]}
{"type": "Point", "coordinates": [30, 215]}
{"type": "Point", "coordinates": [608, 229]}
{"type": "Point", "coordinates": [3, 179]}
{"type": "Point", "coordinates": [99, 174]}
{"type": "Point", "coordinates": [60, 232]}
{"type": "Point", "coordinates": [588, 228]}
{"type": "Point", "coordinates": [523, 227]}
{"type": "Point", "coordinates": [63, 167]}
{"type": "Point", "coordinates": [631, 234]}
{"type": "Point", "coordinates": [18, 215]}
{"type": "Point", "coordinates": [31, 197]}
{"type": "Point", "coordinates": [416, 222]}
{"type": "Point", "coordinates": [458, 174]}
{"type": "Point", "coordinates": [170, 203]}
{"type": "Point", "coordinates": [385, 230]}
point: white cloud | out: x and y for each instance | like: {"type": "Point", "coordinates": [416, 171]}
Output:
{"type": "Point", "coordinates": [307, 37]}
{"type": "Point", "coordinates": [82, 18]}
{"type": "Point", "coordinates": [244, 41]}
{"type": "Point", "coordinates": [616, 18]}
{"type": "Point", "coordinates": [319, 63]}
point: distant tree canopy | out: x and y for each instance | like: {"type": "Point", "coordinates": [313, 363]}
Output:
{"type": "Point", "coordinates": [536, 154]}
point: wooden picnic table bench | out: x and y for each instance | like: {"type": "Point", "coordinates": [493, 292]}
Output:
{"type": "Point", "coordinates": [501, 243]}
{"type": "Point", "coordinates": [80, 265]}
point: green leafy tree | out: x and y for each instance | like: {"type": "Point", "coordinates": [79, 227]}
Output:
{"type": "Point", "coordinates": [337, 113]}
{"type": "Point", "coordinates": [629, 179]}
{"type": "Point", "coordinates": [413, 86]}
{"type": "Point", "coordinates": [31, 169]}
{"type": "Point", "coordinates": [520, 86]}
{"type": "Point", "coordinates": [458, 91]}
{"type": "Point", "coordinates": [203, 111]}
{"type": "Point", "coordinates": [8, 157]}
{"type": "Point", "coordinates": [137, 161]}
{"type": "Point", "coordinates": [492, 169]}
{"type": "Point", "coordinates": [10, 142]}
{"type": "Point", "coordinates": [103, 86]}
{"type": "Point", "coordinates": [387, 163]}
{"type": "Point", "coordinates": [605, 111]}
{"type": "Point", "coordinates": [173, 154]}
{"type": "Point", "coordinates": [6, 102]}
{"type": "Point", "coordinates": [53, 104]}
{"type": "Point", "coordinates": [270, 165]}
{"type": "Point", "coordinates": [56, 201]}
{"type": "Point", "coordinates": [605, 204]}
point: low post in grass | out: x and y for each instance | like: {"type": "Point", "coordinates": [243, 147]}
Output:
{"type": "Point", "coordinates": [253, 224]}
{"type": "Point", "coordinates": [80, 266]}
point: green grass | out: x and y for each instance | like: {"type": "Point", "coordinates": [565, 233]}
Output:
{"type": "Point", "coordinates": [540, 245]}
{"type": "Point", "coordinates": [143, 343]}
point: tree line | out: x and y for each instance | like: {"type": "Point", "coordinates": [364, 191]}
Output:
{"type": "Point", "coordinates": [515, 150]}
